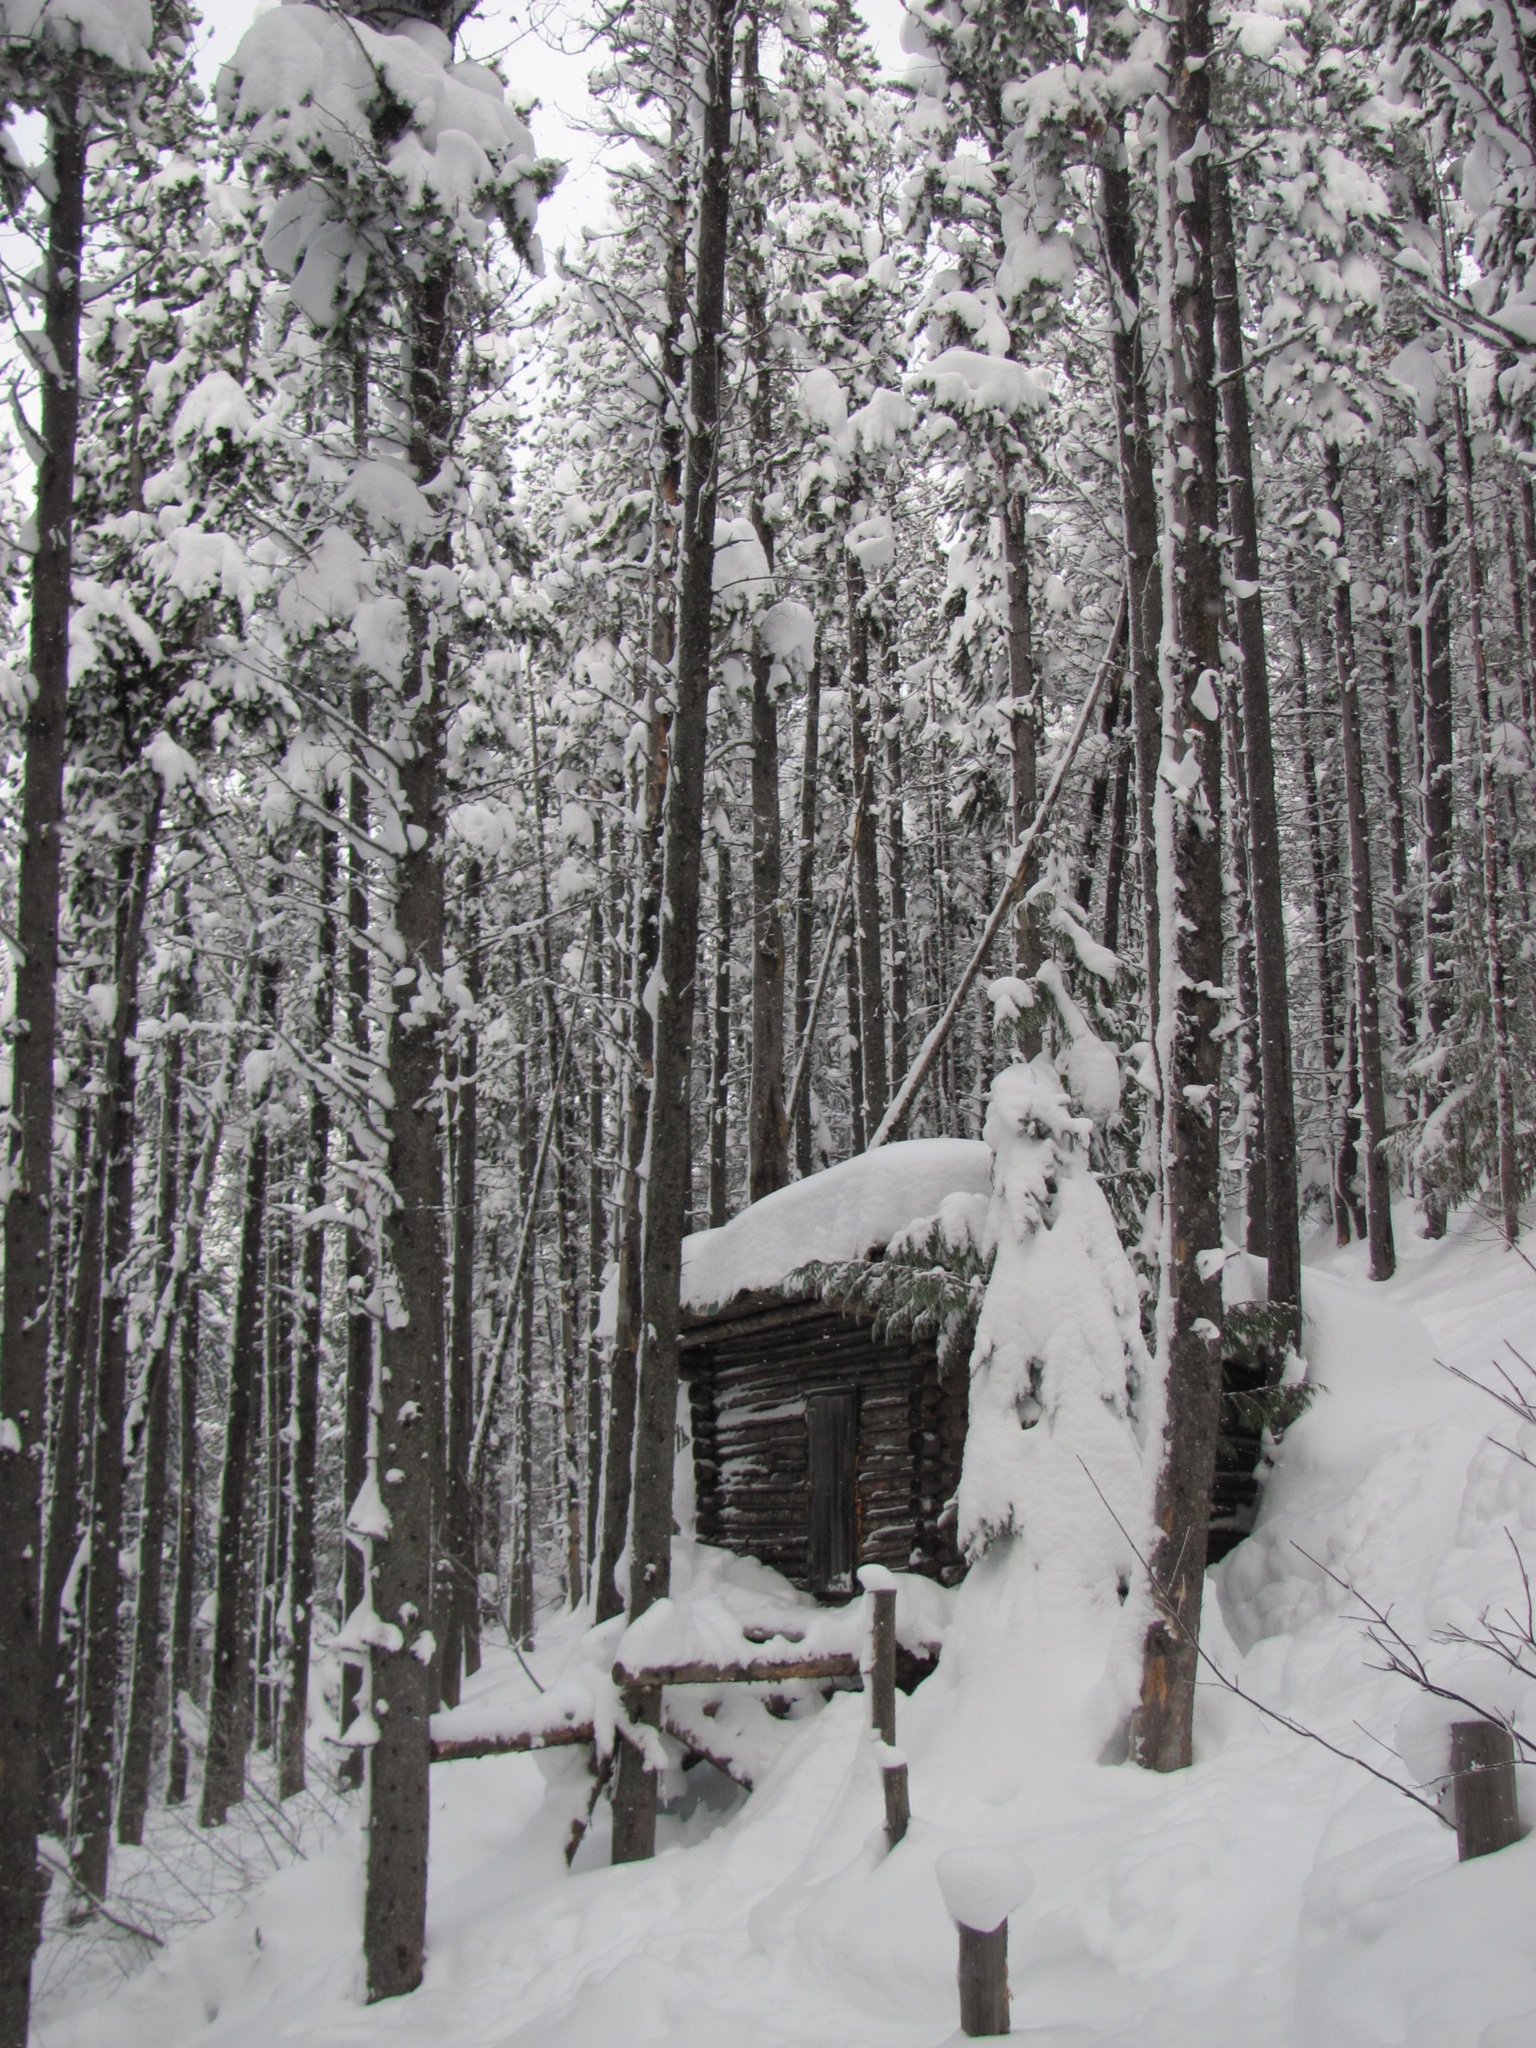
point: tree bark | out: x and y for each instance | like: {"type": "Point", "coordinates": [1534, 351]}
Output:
{"type": "Point", "coordinates": [1282, 1202]}
{"type": "Point", "coordinates": [1189, 874]}
{"type": "Point", "coordinates": [408, 1395]}
{"type": "Point", "coordinates": [667, 1187]}
{"type": "Point", "coordinates": [868, 948]}
{"type": "Point", "coordinates": [303, 1428]}
{"type": "Point", "coordinates": [1378, 1182]}
{"type": "Point", "coordinates": [230, 1673]}
{"type": "Point", "coordinates": [25, 1320]}
{"type": "Point", "coordinates": [805, 904]}
{"type": "Point", "coordinates": [101, 1645]}
{"type": "Point", "coordinates": [155, 1400]}
{"type": "Point", "coordinates": [720, 1041]}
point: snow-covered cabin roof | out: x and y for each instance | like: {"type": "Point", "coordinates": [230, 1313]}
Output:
{"type": "Point", "coordinates": [844, 1212]}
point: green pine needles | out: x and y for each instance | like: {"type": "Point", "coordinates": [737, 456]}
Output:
{"type": "Point", "coordinates": [929, 1289]}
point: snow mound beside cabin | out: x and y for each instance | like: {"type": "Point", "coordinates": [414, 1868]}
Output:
{"type": "Point", "coordinates": [845, 1212]}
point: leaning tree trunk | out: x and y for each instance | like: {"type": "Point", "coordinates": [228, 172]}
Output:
{"type": "Point", "coordinates": [667, 1188]}
{"type": "Point", "coordinates": [1282, 1201]}
{"type": "Point", "coordinates": [1189, 878]}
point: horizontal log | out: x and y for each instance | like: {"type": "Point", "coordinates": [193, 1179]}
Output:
{"type": "Point", "coordinates": [459, 1749]}
{"type": "Point", "coordinates": [831, 1664]}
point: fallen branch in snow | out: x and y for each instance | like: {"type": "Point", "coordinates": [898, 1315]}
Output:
{"type": "Point", "coordinates": [1229, 1684]}
{"type": "Point", "coordinates": [933, 1044]}
{"type": "Point", "coordinates": [65, 1869]}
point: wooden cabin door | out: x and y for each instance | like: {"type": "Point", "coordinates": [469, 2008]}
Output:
{"type": "Point", "coordinates": [832, 1423]}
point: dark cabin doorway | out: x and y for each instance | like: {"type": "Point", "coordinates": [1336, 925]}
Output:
{"type": "Point", "coordinates": [832, 1428]}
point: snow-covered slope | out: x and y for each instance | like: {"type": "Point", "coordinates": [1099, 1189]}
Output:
{"type": "Point", "coordinates": [1274, 1894]}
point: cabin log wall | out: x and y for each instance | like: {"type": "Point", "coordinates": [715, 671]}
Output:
{"type": "Point", "coordinates": [751, 1372]}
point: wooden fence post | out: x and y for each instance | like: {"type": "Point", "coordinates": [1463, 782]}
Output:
{"type": "Point", "coordinates": [1483, 1788]}
{"type": "Point", "coordinates": [881, 1588]}
{"type": "Point", "coordinates": [983, 1978]}
{"type": "Point", "coordinates": [981, 1888]}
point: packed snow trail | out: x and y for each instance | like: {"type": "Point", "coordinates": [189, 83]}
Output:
{"type": "Point", "coordinates": [1272, 1894]}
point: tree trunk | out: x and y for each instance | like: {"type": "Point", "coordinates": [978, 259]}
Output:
{"type": "Point", "coordinates": [805, 905]}
{"type": "Point", "coordinates": [461, 1597]}
{"type": "Point", "coordinates": [1282, 1201]}
{"type": "Point", "coordinates": [1378, 1182]}
{"type": "Point", "coordinates": [25, 1329]}
{"type": "Point", "coordinates": [720, 1041]}
{"type": "Point", "coordinates": [868, 950]}
{"type": "Point", "coordinates": [767, 1123]}
{"type": "Point", "coordinates": [667, 1187]}
{"type": "Point", "coordinates": [101, 1645]}
{"type": "Point", "coordinates": [408, 1389]}
{"type": "Point", "coordinates": [1493, 854]}
{"type": "Point", "coordinates": [1189, 875]}
{"type": "Point", "coordinates": [1024, 724]}
{"type": "Point", "coordinates": [303, 1428]}
{"type": "Point", "coordinates": [1138, 502]}
{"type": "Point", "coordinates": [1439, 815]}
{"type": "Point", "coordinates": [230, 1671]}
{"type": "Point", "coordinates": [155, 1401]}
{"type": "Point", "coordinates": [357, 1396]}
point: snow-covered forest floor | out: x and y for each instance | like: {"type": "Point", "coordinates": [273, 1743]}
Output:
{"type": "Point", "coordinates": [1273, 1895]}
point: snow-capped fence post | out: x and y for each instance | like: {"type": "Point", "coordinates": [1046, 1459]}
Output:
{"type": "Point", "coordinates": [1483, 1787]}
{"type": "Point", "coordinates": [981, 1888]}
{"type": "Point", "coordinates": [881, 1588]}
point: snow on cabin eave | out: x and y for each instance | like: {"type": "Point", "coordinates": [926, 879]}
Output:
{"type": "Point", "coordinates": [848, 1211]}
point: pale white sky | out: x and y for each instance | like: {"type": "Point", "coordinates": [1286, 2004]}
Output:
{"type": "Point", "coordinates": [535, 62]}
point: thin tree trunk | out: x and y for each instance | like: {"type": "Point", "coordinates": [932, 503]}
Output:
{"type": "Point", "coordinates": [230, 1671]}
{"type": "Point", "coordinates": [1436, 755]}
{"type": "Point", "coordinates": [304, 1424]}
{"type": "Point", "coordinates": [868, 950]}
{"type": "Point", "coordinates": [805, 903]}
{"type": "Point", "coordinates": [720, 1040]}
{"type": "Point", "coordinates": [1138, 500]}
{"type": "Point", "coordinates": [1282, 1199]}
{"type": "Point", "coordinates": [102, 1644]}
{"type": "Point", "coordinates": [361, 1266]}
{"type": "Point", "coordinates": [667, 1187]}
{"type": "Point", "coordinates": [896, 869]}
{"type": "Point", "coordinates": [461, 1619]}
{"type": "Point", "coordinates": [155, 1401]}
{"type": "Point", "coordinates": [1378, 1182]}
{"type": "Point", "coordinates": [1024, 724]}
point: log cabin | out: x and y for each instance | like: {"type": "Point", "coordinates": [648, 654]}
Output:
{"type": "Point", "coordinates": [822, 1437]}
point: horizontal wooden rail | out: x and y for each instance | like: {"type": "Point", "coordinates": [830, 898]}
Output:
{"type": "Point", "coordinates": [751, 1671]}
{"type": "Point", "coordinates": [455, 1749]}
